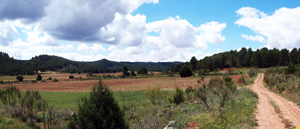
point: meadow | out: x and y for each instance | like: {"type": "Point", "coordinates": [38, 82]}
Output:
{"type": "Point", "coordinates": [130, 93]}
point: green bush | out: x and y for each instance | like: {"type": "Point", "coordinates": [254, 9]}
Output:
{"type": "Point", "coordinates": [202, 94]}
{"type": "Point", "coordinates": [221, 89]}
{"type": "Point", "coordinates": [156, 96]}
{"type": "Point", "coordinates": [185, 71]}
{"type": "Point", "coordinates": [49, 78]}
{"type": "Point", "coordinates": [143, 71]}
{"type": "Point", "coordinates": [10, 95]}
{"type": "Point", "coordinates": [20, 78]}
{"type": "Point", "coordinates": [291, 69]}
{"type": "Point", "coordinates": [189, 92]}
{"type": "Point", "coordinates": [178, 97]}
{"type": "Point", "coordinates": [39, 77]}
{"type": "Point", "coordinates": [100, 110]}
{"type": "Point", "coordinates": [71, 77]}
{"type": "Point", "coordinates": [252, 72]}
{"type": "Point", "coordinates": [242, 80]}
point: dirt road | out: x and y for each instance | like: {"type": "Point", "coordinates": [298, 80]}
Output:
{"type": "Point", "coordinates": [266, 115]}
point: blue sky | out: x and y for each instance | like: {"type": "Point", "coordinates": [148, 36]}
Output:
{"type": "Point", "coordinates": [145, 30]}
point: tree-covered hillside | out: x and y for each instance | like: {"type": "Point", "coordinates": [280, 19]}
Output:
{"type": "Point", "coordinates": [11, 66]}
{"type": "Point", "coordinates": [261, 58]}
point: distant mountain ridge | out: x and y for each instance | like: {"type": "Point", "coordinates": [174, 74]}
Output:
{"type": "Point", "coordinates": [11, 66]}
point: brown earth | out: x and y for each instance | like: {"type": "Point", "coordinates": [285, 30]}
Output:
{"type": "Point", "coordinates": [266, 115]}
{"type": "Point", "coordinates": [66, 85]}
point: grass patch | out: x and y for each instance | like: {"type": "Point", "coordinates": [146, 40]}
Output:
{"type": "Point", "coordinates": [6, 122]}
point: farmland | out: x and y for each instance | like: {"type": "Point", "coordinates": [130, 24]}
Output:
{"type": "Point", "coordinates": [128, 84]}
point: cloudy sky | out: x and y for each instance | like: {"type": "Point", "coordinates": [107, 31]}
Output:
{"type": "Point", "coordinates": [145, 30]}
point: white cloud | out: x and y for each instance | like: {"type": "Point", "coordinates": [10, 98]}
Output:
{"type": "Point", "coordinates": [182, 34]}
{"type": "Point", "coordinates": [75, 29]}
{"type": "Point", "coordinates": [93, 48]}
{"type": "Point", "coordinates": [7, 33]}
{"type": "Point", "coordinates": [125, 30]}
{"type": "Point", "coordinates": [254, 38]}
{"type": "Point", "coordinates": [281, 29]}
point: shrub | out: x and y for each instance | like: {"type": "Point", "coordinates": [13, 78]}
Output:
{"type": "Point", "coordinates": [49, 78]}
{"type": "Point", "coordinates": [291, 69]}
{"type": "Point", "coordinates": [242, 80]}
{"type": "Point", "coordinates": [143, 71]}
{"type": "Point", "coordinates": [71, 77]}
{"type": "Point", "coordinates": [185, 71]}
{"type": "Point", "coordinates": [252, 72]}
{"type": "Point", "coordinates": [1, 81]}
{"type": "Point", "coordinates": [178, 97]}
{"type": "Point", "coordinates": [39, 77]}
{"type": "Point", "coordinates": [100, 110]}
{"type": "Point", "coordinates": [189, 91]}
{"type": "Point", "coordinates": [89, 75]}
{"type": "Point", "coordinates": [132, 73]}
{"type": "Point", "coordinates": [10, 95]}
{"type": "Point", "coordinates": [219, 88]}
{"type": "Point", "coordinates": [202, 94]}
{"type": "Point", "coordinates": [155, 96]}
{"type": "Point", "coordinates": [20, 78]}
{"type": "Point", "coordinates": [55, 80]}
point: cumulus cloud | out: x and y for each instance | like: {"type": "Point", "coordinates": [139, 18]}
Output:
{"type": "Point", "coordinates": [280, 29]}
{"type": "Point", "coordinates": [81, 20]}
{"type": "Point", "coordinates": [8, 33]}
{"type": "Point", "coordinates": [75, 29]}
{"type": "Point", "coordinates": [125, 30]}
{"type": "Point", "coordinates": [28, 10]}
{"type": "Point", "coordinates": [182, 34]}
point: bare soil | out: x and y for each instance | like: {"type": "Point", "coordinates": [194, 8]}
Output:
{"type": "Point", "coordinates": [66, 85]}
{"type": "Point", "coordinates": [266, 115]}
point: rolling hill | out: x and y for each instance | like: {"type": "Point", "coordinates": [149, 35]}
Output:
{"type": "Point", "coordinates": [11, 66]}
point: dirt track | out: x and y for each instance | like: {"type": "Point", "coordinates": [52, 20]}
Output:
{"type": "Point", "coordinates": [266, 116]}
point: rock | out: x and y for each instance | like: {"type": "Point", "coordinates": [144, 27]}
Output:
{"type": "Point", "coordinates": [170, 125]}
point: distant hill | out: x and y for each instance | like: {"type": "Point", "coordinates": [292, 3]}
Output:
{"type": "Point", "coordinates": [11, 66]}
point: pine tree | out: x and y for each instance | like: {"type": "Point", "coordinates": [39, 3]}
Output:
{"type": "Point", "coordinates": [100, 110]}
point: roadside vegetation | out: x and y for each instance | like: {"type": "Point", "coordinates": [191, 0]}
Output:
{"type": "Point", "coordinates": [284, 81]}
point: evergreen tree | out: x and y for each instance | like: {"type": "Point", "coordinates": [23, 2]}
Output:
{"type": "Point", "coordinates": [185, 71]}
{"type": "Point", "coordinates": [125, 71]}
{"type": "Point", "coordinates": [193, 63]}
{"type": "Point", "coordinates": [248, 57]}
{"type": "Point", "coordinates": [284, 57]}
{"type": "Point", "coordinates": [294, 56]}
{"type": "Point", "coordinates": [143, 71]}
{"type": "Point", "coordinates": [275, 57]}
{"type": "Point", "coordinates": [39, 77]}
{"type": "Point", "coordinates": [100, 110]}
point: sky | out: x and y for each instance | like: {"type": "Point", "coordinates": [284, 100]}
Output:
{"type": "Point", "coordinates": [145, 30]}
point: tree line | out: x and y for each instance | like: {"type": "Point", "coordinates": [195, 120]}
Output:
{"type": "Point", "coordinates": [261, 58]}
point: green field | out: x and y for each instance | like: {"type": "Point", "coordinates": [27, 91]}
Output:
{"type": "Point", "coordinates": [237, 113]}
{"type": "Point", "coordinates": [63, 100]}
